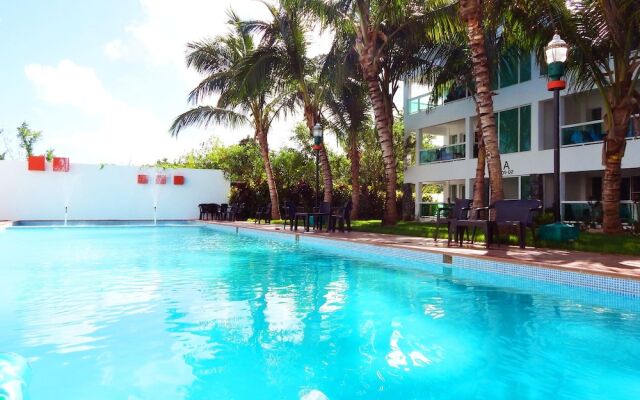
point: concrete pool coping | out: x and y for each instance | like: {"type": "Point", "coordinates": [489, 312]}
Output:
{"type": "Point", "coordinates": [611, 265]}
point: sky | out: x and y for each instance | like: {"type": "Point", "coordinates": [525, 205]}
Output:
{"type": "Point", "coordinates": [104, 79]}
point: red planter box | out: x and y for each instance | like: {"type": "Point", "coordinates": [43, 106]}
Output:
{"type": "Point", "coordinates": [36, 163]}
{"type": "Point", "coordinates": [178, 180]}
{"type": "Point", "coordinates": [60, 164]}
{"type": "Point", "coordinates": [143, 179]}
{"type": "Point", "coordinates": [161, 179]}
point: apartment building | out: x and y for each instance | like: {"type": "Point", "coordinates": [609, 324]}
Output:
{"type": "Point", "coordinates": [444, 164]}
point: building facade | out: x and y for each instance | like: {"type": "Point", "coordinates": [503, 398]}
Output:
{"type": "Point", "coordinates": [444, 163]}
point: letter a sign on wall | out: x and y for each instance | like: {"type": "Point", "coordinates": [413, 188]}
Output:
{"type": "Point", "coordinates": [506, 169]}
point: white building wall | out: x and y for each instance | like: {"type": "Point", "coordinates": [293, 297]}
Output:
{"type": "Point", "coordinates": [94, 192]}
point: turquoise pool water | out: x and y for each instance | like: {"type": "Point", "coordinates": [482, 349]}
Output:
{"type": "Point", "coordinates": [195, 313]}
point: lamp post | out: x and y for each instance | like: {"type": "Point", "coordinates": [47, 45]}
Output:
{"type": "Point", "coordinates": [317, 145]}
{"type": "Point", "coordinates": [556, 55]}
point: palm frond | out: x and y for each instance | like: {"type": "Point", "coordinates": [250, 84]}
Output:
{"type": "Point", "coordinates": [204, 116]}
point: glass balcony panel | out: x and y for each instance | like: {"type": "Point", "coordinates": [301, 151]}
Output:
{"type": "Point", "coordinates": [587, 132]}
{"type": "Point", "coordinates": [445, 153]}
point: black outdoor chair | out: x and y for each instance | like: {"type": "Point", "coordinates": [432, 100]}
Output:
{"type": "Point", "coordinates": [264, 213]}
{"type": "Point", "coordinates": [232, 212]}
{"type": "Point", "coordinates": [318, 215]}
{"type": "Point", "coordinates": [208, 211]}
{"type": "Point", "coordinates": [323, 213]}
{"type": "Point", "coordinates": [516, 215]}
{"type": "Point", "coordinates": [459, 211]}
{"type": "Point", "coordinates": [202, 211]}
{"type": "Point", "coordinates": [222, 212]}
{"type": "Point", "coordinates": [509, 214]}
{"type": "Point", "coordinates": [477, 218]}
{"type": "Point", "coordinates": [289, 211]}
{"type": "Point", "coordinates": [341, 216]}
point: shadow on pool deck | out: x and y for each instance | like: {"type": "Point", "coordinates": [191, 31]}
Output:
{"type": "Point", "coordinates": [622, 266]}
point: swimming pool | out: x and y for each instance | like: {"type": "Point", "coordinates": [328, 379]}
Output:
{"type": "Point", "coordinates": [193, 312]}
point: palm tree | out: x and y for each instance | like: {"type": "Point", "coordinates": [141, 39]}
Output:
{"type": "Point", "coordinates": [347, 113]}
{"type": "Point", "coordinates": [387, 36]}
{"type": "Point", "coordinates": [219, 59]}
{"type": "Point", "coordinates": [284, 52]}
{"type": "Point", "coordinates": [471, 14]}
{"type": "Point", "coordinates": [605, 36]}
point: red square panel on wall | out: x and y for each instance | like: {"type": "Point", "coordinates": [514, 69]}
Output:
{"type": "Point", "coordinates": [36, 163]}
{"type": "Point", "coordinates": [143, 179]}
{"type": "Point", "coordinates": [161, 179]}
{"type": "Point", "coordinates": [61, 164]}
{"type": "Point", "coordinates": [178, 180]}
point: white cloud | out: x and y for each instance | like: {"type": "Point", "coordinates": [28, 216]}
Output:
{"type": "Point", "coordinates": [115, 49]}
{"type": "Point", "coordinates": [72, 84]}
{"type": "Point", "coordinates": [168, 26]}
{"type": "Point", "coordinates": [121, 134]}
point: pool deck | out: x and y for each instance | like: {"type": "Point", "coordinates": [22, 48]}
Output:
{"type": "Point", "coordinates": [620, 266]}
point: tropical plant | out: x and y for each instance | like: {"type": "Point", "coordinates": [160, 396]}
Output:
{"type": "Point", "coordinates": [49, 154]}
{"type": "Point", "coordinates": [284, 52]}
{"type": "Point", "coordinates": [219, 59]}
{"type": "Point", "coordinates": [471, 14]}
{"type": "Point", "coordinates": [605, 55]}
{"type": "Point", "coordinates": [27, 138]}
{"type": "Point", "coordinates": [389, 39]}
{"type": "Point", "coordinates": [348, 112]}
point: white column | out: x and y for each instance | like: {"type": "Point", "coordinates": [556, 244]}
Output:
{"type": "Point", "coordinates": [418, 145]}
{"type": "Point", "coordinates": [418, 199]}
{"type": "Point", "coordinates": [535, 126]}
{"type": "Point", "coordinates": [563, 182]}
{"type": "Point", "coordinates": [469, 131]}
{"type": "Point", "coordinates": [468, 190]}
{"type": "Point", "coordinates": [406, 94]}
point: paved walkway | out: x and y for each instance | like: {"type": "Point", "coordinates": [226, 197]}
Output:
{"type": "Point", "coordinates": [592, 263]}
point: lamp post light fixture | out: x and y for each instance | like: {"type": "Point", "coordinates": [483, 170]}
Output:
{"type": "Point", "coordinates": [318, 133]}
{"type": "Point", "coordinates": [556, 56]}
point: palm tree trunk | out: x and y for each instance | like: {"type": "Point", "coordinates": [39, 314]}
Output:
{"type": "Point", "coordinates": [613, 151]}
{"type": "Point", "coordinates": [471, 15]}
{"type": "Point", "coordinates": [271, 182]}
{"type": "Point", "coordinates": [325, 167]}
{"type": "Point", "coordinates": [354, 156]}
{"type": "Point", "coordinates": [478, 184]}
{"type": "Point", "coordinates": [385, 137]}
{"type": "Point", "coordinates": [327, 178]}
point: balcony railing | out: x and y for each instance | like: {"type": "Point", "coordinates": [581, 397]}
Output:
{"type": "Point", "coordinates": [425, 102]}
{"type": "Point", "coordinates": [587, 133]}
{"type": "Point", "coordinates": [582, 133]}
{"type": "Point", "coordinates": [581, 211]}
{"type": "Point", "coordinates": [445, 153]}
{"type": "Point", "coordinates": [420, 103]}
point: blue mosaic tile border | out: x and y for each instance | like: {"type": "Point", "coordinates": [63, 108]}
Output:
{"type": "Point", "coordinates": [463, 267]}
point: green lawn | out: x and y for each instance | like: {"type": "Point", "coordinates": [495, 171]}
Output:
{"type": "Point", "coordinates": [593, 242]}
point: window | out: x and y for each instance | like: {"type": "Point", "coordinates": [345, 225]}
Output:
{"type": "Point", "coordinates": [625, 189]}
{"type": "Point", "coordinates": [514, 130]}
{"type": "Point", "coordinates": [456, 192]}
{"type": "Point", "coordinates": [525, 187]}
{"type": "Point", "coordinates": [514, 67]}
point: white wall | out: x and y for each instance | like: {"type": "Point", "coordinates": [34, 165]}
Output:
{"type": "Point", "coordinates": [92, 192]}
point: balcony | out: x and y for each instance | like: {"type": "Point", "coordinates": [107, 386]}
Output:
{"type": "Point", "coordinates": [425, 102]}
{"type": "Point", "coordinates": [444, 153]}
{"type": "Point", "coordinates": [420, 103]}
{"type": "Point", "coordinates": [587, 133]}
